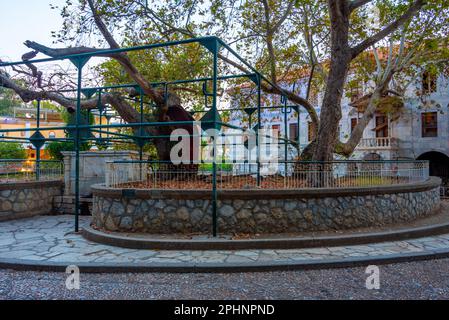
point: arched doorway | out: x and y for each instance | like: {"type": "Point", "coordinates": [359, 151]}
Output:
{"type": "Point", "coordinates": [438, 163]}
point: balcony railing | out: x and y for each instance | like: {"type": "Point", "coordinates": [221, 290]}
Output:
{"type": "Point", "coordinates": [377, 143]}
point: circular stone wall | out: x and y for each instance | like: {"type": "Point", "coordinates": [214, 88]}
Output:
{"type": "Point", "coordinates": [27, 199]}
{"type": "Point", "coordinates": [262, 211]}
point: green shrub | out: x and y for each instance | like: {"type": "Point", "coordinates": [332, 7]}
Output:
{"type": "Point", "coordinates": [220, 166]}
{"type": "Point", "coordinates": [55, 148]}
{"type": "Point", "coordinates": [12, 150]}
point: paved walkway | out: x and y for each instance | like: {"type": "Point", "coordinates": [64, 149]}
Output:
{"type": "Point", "coordinates": [51, 239]}
{"type": "Point", "coordinates": [414, 280]}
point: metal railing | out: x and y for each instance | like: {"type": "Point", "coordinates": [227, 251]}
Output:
{"type": "Point", "coordinates": [377, 143]}
{"type": "Point", "coordinates": [281, 175]}
{"type": "Point", "coordinates": [12, 170]}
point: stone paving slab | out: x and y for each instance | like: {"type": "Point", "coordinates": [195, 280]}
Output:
{"type": "Point", "coordinates": [50, 240]}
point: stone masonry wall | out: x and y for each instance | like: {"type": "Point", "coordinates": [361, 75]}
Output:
{"type": "Point", "coordinates": [27, 199]}
{"type": "Point", "coordinates": [161, 215]}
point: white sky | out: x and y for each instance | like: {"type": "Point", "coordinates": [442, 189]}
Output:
{"type": "Point", "coordinates": [22, 20]}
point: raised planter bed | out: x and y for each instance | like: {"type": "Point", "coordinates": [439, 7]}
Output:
{"type": "Point", "coordinates": [262, 211]}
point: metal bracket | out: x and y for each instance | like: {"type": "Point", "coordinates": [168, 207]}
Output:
{"type": "Point", "coordinates": [79, 62]}
{"type": "Point", "coordinates": [211, 44]}
{"type": "Point", "coordinates": [89, 92]}
{"type": "Point", "coordinates": [140, 142]}
{"type": "Point", "coordinates": [250, 111]}
{"type": "Point", "coordinates": [205, 93]}
{"type": "Point", "coordinates": [211, 115]}
{"type": "Point", "coordinates": [139, 89]}
{"type": "Point", "coordinates": [255, 77]}
{"type": "Point", "coordinates": [37, 140]}
{"type": "Point", "coordinates": [283, 99]}
{"type": "Point", "coordinates": [296, 108]}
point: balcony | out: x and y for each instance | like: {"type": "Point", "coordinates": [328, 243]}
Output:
{"type": "Point", "coordinates": [387, 143]}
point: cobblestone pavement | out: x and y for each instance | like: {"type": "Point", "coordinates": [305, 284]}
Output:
{"type": "Point", "coordinates": [50, 239]}
{"type": "Point", "coordinates": [415, 280]}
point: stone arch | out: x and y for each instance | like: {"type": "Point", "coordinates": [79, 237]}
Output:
{"type": "Point", "coordinates": [438, 163]}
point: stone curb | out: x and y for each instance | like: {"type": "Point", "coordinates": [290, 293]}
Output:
{"type": "Point", "coordinates": [29, 265]}
{"type": "Point", "coordinates": [115, 239]}
{"type": "Point", "coordinates": [281, 243]}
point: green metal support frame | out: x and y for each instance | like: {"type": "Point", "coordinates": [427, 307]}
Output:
{"type": "Point", "coordinates": [213, 45]}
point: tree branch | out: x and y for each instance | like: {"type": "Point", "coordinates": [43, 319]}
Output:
{"type": "Point", "coordinates": [284, 16]}
{"type": "Point", "coordinates": [269, 41]}
{"type": "Point", "coordinates": [357, 4]}
{"type": "Point", "coordinates": [412, 10]}
{"type": "Point", "coordinates": [102, 27]}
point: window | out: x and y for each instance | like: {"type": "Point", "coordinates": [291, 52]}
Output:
{"type": "Point", "coordinates": [277, 129]}
{"type": "Point", "coordinates": [381, 127]}
{"type": "Point", "coordinates": [429, 124]}
{"type": "Point", "coordinates": [353, 123]}
{"type": "Point", "coordinates": [293, 134]}
{"type": "Point", "coordinates": [310, 132]}
{"type": "Point", "coordinates": [429, 83]}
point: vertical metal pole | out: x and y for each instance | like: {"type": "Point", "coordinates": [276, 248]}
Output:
{"type": "Point", "coordinates": [285, 138]}
{"type": "Point", "coordinates": [100, 111]}
{"type": "Point", "coordinates": [77, 147]}
{"type": "Point", "coordinates": [214, 164]}
{"type": "Point", "coordinates": [108, 122]}
{"type": "Point", "coordinates": [259, 117]}
{"type": "Point", "coordinates": [250, 123]}
{"type": "Point", "coordinates": [140, 135]}
{"type": "Point", "coordinates": [298, 131]}
{"type": "Point", "coordinates": [38, 149]}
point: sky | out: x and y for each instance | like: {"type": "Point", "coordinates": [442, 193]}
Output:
{"type": "Point", "coordinates": [22, 20]}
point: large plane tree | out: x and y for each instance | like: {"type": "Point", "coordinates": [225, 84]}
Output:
{"type": "Point", "coordinates": [287, 40]}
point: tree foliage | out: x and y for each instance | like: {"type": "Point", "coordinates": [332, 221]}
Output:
{"type": "Point", "coordinates": [12, 151]}
{"type": "Point", "coordinates": [8, 100]}
{"type": "Point", "coordinates": [328, 45]}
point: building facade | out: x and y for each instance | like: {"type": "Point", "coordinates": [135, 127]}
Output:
{"type": "Point", "coordinates": [25, 118]}
{"type": "Point", "coordinates": [420, 130]}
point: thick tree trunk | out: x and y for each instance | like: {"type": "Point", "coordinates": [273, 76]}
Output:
{"type": "Point", "coordinates": [341, 57]}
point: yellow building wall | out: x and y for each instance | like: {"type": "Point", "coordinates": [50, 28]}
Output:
{"type": "Point", "coordinates": [32, 124]}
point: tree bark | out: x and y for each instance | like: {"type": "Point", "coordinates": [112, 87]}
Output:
{"type": "Point", "coordinates": [340, 60]}
{"type": "Point", "coordinates": [127, 112]}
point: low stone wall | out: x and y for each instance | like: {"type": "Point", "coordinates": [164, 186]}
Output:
{"type": "Point", "coordinates": [262, 211]}
{"type": "Point", "coordinates": [27, 199]}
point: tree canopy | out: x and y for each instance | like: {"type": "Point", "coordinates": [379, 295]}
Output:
{"type": "Point", "coordinates": [329, 45]}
